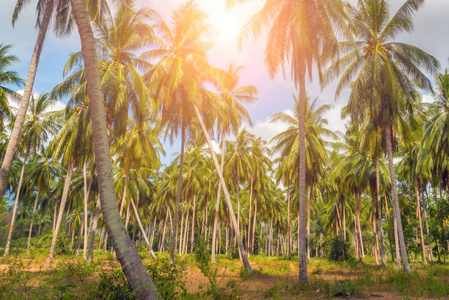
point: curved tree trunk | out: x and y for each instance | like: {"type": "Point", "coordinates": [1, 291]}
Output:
{"type": "Point", "coordinates": [16, 203]}
{"type": "Point", "coordinates": [249, 217]}
{"type": "Point", "coordinates": [178, 197]}
{"type": "Point", "coordinates": [136, 217]}
{"type": "Point", "coordinates": [65, 193]}
{"type": "Point", "coordinates": [395, 202]}
{"type": "Point", "coordinates": [21, 113]}
{"type": "Point", "coordinates": [32, 220]}
{"type": "Point", "coordinates": [302, 250]}
{"type": "Point", "coordinates": [217, 204]}
{"type": "Point", "coordinates": [379, 214]}
{"type": "Point", "coordinates": [135, 272]}
{"type": "Point", "coordinates": [93, 230]}
{"type": "Point", "coordinates": [225, 191]}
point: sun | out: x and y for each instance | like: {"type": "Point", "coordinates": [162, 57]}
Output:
{"type": "Point", "coordinates": [226, 26]}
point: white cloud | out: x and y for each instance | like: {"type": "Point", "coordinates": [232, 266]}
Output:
{"type": "Point", "coordinates": [266, 129]}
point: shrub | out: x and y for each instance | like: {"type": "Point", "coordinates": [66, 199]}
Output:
{"type": "Point", "coordinates": [339, 249]}
{"type": "Point", "coordinates": [168, 278]}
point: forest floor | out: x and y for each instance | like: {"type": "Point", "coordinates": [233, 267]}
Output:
{"type": "Point", "coordinates": [29, 277]}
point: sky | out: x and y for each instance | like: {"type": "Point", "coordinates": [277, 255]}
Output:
{"type": "Point", "coordinates": [275, 94]}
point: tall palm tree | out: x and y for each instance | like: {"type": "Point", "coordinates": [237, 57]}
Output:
{"type": "Point", "coordinates": [385, 72]}
{"type": "Point", "coordinates": [20, 118]}
{"type": "Point", "coordinates": [7, 77]}
{"type": "Point", "coordinates": [181, 51]}
{"type": "Point", "coordinates": [300, 31]}
{"type": "Point", "coordinates": [136, 274]}
{"type": "Point", "coordinates": [42, 171]}
{"type": "Point", "coordinates": [40, 124]}
{"type": "Point", "coordinates": [230, 118]}
{"type": "Point", "coordinates": [239, 163]}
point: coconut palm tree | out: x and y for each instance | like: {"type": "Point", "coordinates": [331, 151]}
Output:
{"type": "Point", "coordinates": [239, 163]}
{"type": "Point", "coordinates": [40, 123]}
{"type": "Point", "coordinates": [385, 72]}
{"type": "Point", "coordinates": [300, 32]}
{"type": "Point", "coordinates": [181, 51]}
{"type": "Point", "coordinates": [231, 117]}
{"type": "Point", "coordinates": [136, 274]}
{"type": "Point", "coordinates": [8, 77]}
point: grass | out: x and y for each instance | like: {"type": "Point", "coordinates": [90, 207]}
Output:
{"type": "Point", "coordinates": [27, 277]}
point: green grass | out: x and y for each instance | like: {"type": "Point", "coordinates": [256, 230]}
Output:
{"type": "Point", "coordinates": [27, 277]}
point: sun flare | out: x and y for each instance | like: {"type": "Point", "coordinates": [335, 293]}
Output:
{"type": "Point", "coordinates": [226, 26]}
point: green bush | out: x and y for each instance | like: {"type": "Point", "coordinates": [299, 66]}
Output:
{"type": "Point", "coordinates": [112, 286]}
{"type": "Point", "coordinates": [339, 249]}
{"type": "Point", "coordinates": [168, 278]}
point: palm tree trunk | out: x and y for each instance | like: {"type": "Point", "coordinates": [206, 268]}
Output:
{"type": "Point", "coordinates": [225, 191]}
{"type": "Point", "coordinates": [163, 232]}
{"type": "Point", "coordinates": [376, 259]}
{"type": "Point", "coordinates": [302, 250]}
{"type": "Point", "coordinates": [86, 196]}
{"type": "Point", "coordinates": [38, 232]}
{"type": "Point", "coordinates": [21, 113]}
{"type": "Point", "coordinates": [16, 203]}
{"type": "Point", "coordinates": [248, 248]}
{"type": "Point", "coordinates": [344, 220]}
{"type": "Point", "coordinates": [136, 217]}
{"type": "Point", "coordinates": [65, 193]}
{"type": "Point", "coordinates": [186, 228]}
{"type": "Point", "coordinates": [125, 188]}
{"type": "Point", "coordinates": [93, 230]}
{"type": "Point", "coordinates": [396, 209]}
{"type": "Point", "coordinates": [193, 225]}
{"type": "Point", "coordinates": [178, 197]}
{"type": "Point", "coordinates": [427, 229]}
{"type": "Point", "coordinates": [254, 225]}
{"type": "Point", "coordinates": [309, 202]}
{"type": "Point", "coordinates": [358, 229]}
{"type": "Point", "coordinates": [135, 272]}
{"type": "Point", "coordinates": [217, 205]}
{"type": "Point", "coordinates": [32, 220]}
{"type": "Point", "coordinates": [418, 209]}
{"type": "Point", "coordinates": [289, 233]}
{"type": "Point", "coordinates": [181, 231]}
{"type": "Point", "coordinates": [379, 214]}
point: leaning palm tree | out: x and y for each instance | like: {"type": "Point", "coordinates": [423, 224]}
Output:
{"type": "Point", "coordinates": [384, 73]}
{"type": "Point", "coordinates": [20, 118]}
{"type": "Point", "coordinates": [300, 32]}
{"type": "Point", "coordinates": [136, 274]}
{"type": "Point", "coordinates": [229, 121]}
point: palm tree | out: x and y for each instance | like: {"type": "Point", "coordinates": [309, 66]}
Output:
{"type": "Point", "coordinates": [230, 118]}
{"type": "Point", "coordinates": [288, 143]}
{"type": "Point", "coordinates": [300, 32]}
{"type": "Point", "coordinates": [238, 163]}
{"type": "Point", "coordinates": [42, 171]}
{"type": "Point", "coordinates": [136, 274]}
{"type": "Point", "coordinates": [385, 74]}
{"type": "Point", "coordinates": [40, 124]}
{"type": "Point", "coordinates": [7, 77]}
{"type": "Point", "coordinates": [182, 50]}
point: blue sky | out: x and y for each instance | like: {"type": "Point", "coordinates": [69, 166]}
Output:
{"type": "Point", "coordinates": [431, 34]}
